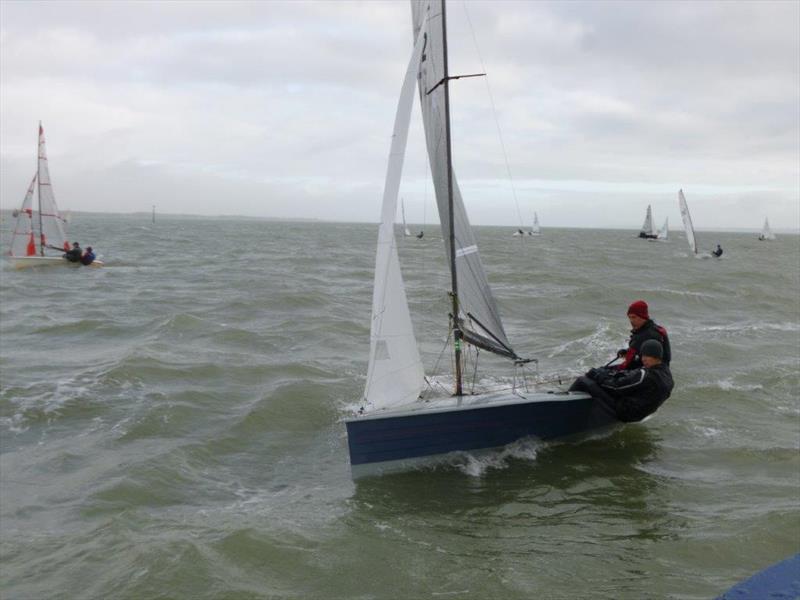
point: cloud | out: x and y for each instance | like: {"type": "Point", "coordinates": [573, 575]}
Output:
{"type": "Point", "coordinates": [285, 108]}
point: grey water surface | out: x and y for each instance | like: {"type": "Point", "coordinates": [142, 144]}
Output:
{"type": "Point", "coordinates": [170, 425]}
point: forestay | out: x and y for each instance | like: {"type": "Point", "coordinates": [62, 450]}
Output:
{"type": "Point", "coordinates": [395, 374]}
{"type": "Point", "coordinates": [687, 221]}
{"type": "Point", "coordinates": [479, 319]}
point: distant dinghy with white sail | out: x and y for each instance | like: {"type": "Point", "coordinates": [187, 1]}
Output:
{"type": "Point", "coordinates": [404, 418]}
{"type": "Point", "coordinates": [766, 234]}
{"type": "Point", "coordinates": [689, 229]}
{"type": "Point", "coordinates": [536, 229]}
{"type": "Point", "coordinates": [39, 237]}
{"type": "Point", "coordinates": [647, 231]}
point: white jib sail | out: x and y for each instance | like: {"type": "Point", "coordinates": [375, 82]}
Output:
{"type": "Point", "coordinates": [395, 375]}
{"type": "Point", "coordinates": [52, 233]}
{"type": "Point", "coordinates": [22, 239]}
{"type": "Point", "coordinates": [477, 306]}
{"type": "Point", "coordinates": [647, 226]}
{"type": "Point", "coordinates": [766, 233]}
{"type": "Point", "coordinates": [687, 221]}
{"type": "Point", "coordinates": [663, 233]}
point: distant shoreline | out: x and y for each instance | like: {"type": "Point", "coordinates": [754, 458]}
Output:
{"type": "Point", "coordinates": [148, 215]}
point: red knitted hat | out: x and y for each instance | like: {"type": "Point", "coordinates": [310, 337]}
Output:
{"type": "Point", "coordinates": [639, 308]}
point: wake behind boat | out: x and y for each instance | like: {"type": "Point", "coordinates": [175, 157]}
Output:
{"type": "Point", "coordinates": [29, 249]}
{"type": "Point", "coordinates": [403, 420]}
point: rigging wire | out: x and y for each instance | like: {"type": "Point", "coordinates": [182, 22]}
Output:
{"type": "Point", "coordinates": [494, 114]}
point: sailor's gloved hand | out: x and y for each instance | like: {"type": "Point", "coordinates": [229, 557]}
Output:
{"type": "Point", "coordinates": [621, 353]}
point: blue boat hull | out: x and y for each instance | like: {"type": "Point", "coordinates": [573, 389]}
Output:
{"type": "Point", "coordinates": [391, 442]}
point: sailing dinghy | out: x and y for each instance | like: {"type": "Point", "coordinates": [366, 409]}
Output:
{"type": "Point", "coordinates": [406, 231]}
{"type": "Point", "coordinates": [663, 233]}
{"type": "Point", "coordinates": [402, 422]}
{"type": "Point", "coordinates": [43, 228]}
{"type": "Point", "coordinates": [688, 227]}
{"type": "Point", "coordinates": [766, 233]}
{"type": "Point", "coordinates": [535, 230]}
{"type": "Point", "coordinates": [647, 231]}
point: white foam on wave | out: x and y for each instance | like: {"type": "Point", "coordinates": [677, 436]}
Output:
{"type": "Point", "coordinates": [478, 463]}
{"type": "Point", "coordinates": [750, 327]}
{"type": "Point", "coordinates": [592, 349]}
{"type": "Point", "coordinates": [729, 385]}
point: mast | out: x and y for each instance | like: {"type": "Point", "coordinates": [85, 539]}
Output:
{"type": "Point", "coordinates": [453, 277]}
{"type": "Point", "coordinates": [39, 187]}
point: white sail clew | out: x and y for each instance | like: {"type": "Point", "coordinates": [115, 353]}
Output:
{"type": "Point", "coordinates": [406, 232]}
{"type": "Point", "coordinates": [663, 233]}
{"type": "Point", "coordinates": [478, 312]}
{"type": "Point", "coordinates": [766, 232]}
{"type": "Point", "coordinates": [395, 374]}
{"type": "Point", "coordinates": [687, 221]}
{"type": "Point", "coordinates": [536, 230]}
{"type": "Point", "coordinates": [647, 226]}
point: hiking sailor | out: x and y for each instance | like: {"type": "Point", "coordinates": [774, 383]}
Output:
{"type": "Point", "coordinates": [634, 394]}
{"type": "Point", "coordinates": [643, 329]}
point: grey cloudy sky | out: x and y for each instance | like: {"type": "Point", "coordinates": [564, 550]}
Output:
{"type": "Point", "coordinates": [285, 109]}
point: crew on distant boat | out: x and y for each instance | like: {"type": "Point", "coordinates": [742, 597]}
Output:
{"type": "Point", "coordinates": [75, 253]}
{"type": "Point", "coordinates": [718, 251]}
{"type": "Point", "coordinates": [631, 395]}
{"type": "Point", "coordinates": [88, 256]}
{"type": "Point", "coordinates": [643, 329]}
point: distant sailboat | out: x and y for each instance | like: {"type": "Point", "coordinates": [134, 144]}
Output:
{"type": "Point", "coordinates": [40, 229]}
{"type": "Point", "coordinates": [687, 222]}
{"type": "Point", "coordinates": [663, 233]}
{"type": "Point", "coordinates": [396, 427]}
{"type": "Point", "coordinates": [406, 231]}
{"type": "Point", "coordinates": [535, 230]}
{"type": "Point", "coordinates": [647, 231]}
{"type": "Point", "coordinates": [689, 228]}
{"type": "Point", "coordinates": [766, 233]}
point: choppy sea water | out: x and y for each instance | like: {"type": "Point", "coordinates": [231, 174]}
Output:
{"type": "Point", "coordinates": [170, 425]}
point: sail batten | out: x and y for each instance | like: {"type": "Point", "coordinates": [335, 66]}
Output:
{"type": "Point", "coordinates": [474, 295]}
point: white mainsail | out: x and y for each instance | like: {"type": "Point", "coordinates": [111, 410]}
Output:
{"type": "Point", "coordinates": [536, 230]}
{"type": "Point", "coordinates": [478, 317]}
{"type": "Point", "coordinates": [647, 226]}
{"type": "Point", "coordinates": [406, 232]}
{"type": "Point", "coordinates": [52, 230]}
{"type": "Point", "coordinates": [663, 233]}
{"type": "Point", "coordinates": [23, 242]}
{"type": "Point", "coordinates": [766, 232]}
{"type": "Point", "coordinates": [395, 374]}
{"type": "Point", "coordinates": [687, 221]}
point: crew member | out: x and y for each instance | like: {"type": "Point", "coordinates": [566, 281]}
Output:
{"type": "Point", "coordinates": [643, 328]}
{"type": "Point", "coordinates": [631, 395]}
{"type": "Point", "coordinates": [88, 256]}
{"type": "Point", "coordinates": [74, 254]}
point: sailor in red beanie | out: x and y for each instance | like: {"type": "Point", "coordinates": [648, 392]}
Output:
{"type": "Point", "coordinates": [642, 329]}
